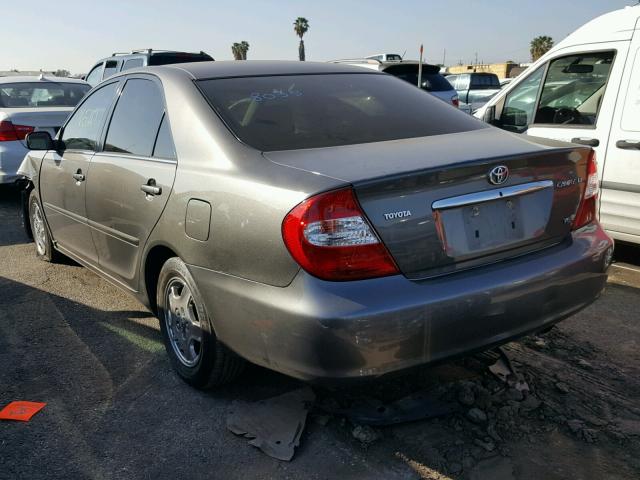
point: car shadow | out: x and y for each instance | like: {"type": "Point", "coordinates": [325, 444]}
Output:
{"type": "Point", "coordinates": [10, 212]}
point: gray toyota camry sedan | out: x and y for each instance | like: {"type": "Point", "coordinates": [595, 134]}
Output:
{"type": "Point", "coordinates": [320, 220]}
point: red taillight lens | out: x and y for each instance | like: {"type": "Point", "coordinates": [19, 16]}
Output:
{"type": "Point", "coordinates": [455, 101]}
{"type": "Point", "coordinates": [329, 236]}
{"type": "Point", "coordinates": [587, 210]}
{"type": "Point", "coordinates": [10, 132]}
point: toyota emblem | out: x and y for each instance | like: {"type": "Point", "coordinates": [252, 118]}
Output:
{"type": "Point", "coordinates": [498, 175]}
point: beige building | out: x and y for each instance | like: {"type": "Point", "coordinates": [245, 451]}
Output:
{"type": "Point", "coordinates": [502, 70]}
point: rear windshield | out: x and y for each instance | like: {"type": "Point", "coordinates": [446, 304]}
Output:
{"type": "Point", "coordinates": [290, 112]}
{"type": "Point", "coordinates": [41, 94]}
{"type": "Point", "coordinates": [178, 57]}
{"type": "Point", "coordinates": [485, 81]}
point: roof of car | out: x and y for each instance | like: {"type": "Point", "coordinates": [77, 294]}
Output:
{"type": "Point", "coordinates": [248, 68]}
{"type": "Point", "coordinates": [40, 78]}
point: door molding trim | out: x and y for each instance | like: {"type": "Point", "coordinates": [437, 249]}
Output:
{"type": "Point", "coordinates": [112, 232]}
{"type": "Point", "coordinates": [623, 187]}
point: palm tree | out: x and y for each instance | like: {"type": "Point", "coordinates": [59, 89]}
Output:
{"type": "Point", "coordinates": [301, 26]}
{"type": "Point", "coordinates": [240, 50]}
{"type": "Point", "coordinates": [539, 46]}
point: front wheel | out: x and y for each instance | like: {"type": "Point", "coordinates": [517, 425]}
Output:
{"type": "Point", "coordinates": [195, 352]}
{"type": "Point", "coordinates": [41, 238]}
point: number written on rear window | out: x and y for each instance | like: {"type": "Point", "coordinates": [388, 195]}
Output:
{"type": "Point", "coordinates": [83, 129]}
{"type": "Point", "coordinates": [136, 119]}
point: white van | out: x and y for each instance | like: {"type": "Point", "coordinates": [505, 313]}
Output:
{"type": "Point", "coordinates": [587, 90]}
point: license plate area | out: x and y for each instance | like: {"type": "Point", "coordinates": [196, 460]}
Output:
{"type": "Point", "coordinates": [472, 228]}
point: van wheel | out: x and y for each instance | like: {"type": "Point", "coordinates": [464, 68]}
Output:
{"type": "Point", "coordinates": [41, 238]}
{"type": "Point", "coordinates": [195, 352]}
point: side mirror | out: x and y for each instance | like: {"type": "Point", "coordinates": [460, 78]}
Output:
{"type": "Point", "coordinates": [40, 141]}
{"type": "Point", "coordinates": [489, 114]}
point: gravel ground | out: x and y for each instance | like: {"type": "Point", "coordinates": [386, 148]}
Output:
{"type": "Point", "coordinates": [116, 410]}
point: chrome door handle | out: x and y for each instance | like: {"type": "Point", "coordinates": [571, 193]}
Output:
{"type": "Point", "coordinates": [589, 142]}
{"type": "Point", "coordinates": [628, 144]}
{"type": "Point", "coordinates": [150, 188]}
{"type": "Point", "coordinates": [78, 176]}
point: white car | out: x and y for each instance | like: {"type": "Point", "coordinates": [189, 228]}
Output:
{"type": "Point", "coordinates": [586, 90]}
{"type": "Point", "coordinates": [29, 104]}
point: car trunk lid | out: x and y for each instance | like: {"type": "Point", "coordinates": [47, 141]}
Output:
{"type": "Point", "coordinates": [42, 119]}
{"type": "Point", "coordinates": [433, 204]}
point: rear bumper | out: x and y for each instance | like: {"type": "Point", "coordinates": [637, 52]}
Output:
{"type": "Point", "coordinates": [315, 329]}
{"type": "Point", "coordinates": [11, 156]}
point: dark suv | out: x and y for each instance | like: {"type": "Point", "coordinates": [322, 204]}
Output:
{"type": "Point", "coordinates": [119, 62]}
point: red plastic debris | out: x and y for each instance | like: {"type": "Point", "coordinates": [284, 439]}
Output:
{"type": "Point", "coordinates": [21, 411]}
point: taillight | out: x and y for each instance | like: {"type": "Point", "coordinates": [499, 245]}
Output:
{"type": "Point", "coordinates": [455, 101]}
{"type": "Point", "coordinates": [10, 132]}
{"type": "Point", "coordinates": [587, 210]}
{"type": "Point", "coordinates": [329, 236]}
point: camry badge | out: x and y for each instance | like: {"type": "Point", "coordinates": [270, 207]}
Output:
{"type": "Point", "coordinates": [498, 175]}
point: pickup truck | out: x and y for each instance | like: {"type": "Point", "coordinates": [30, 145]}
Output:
{"type": "Point", "coordinates": [474, 89]}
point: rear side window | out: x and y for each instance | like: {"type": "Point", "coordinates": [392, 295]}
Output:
{"type": "Point", "coordinates": [169, 58]}
{"type": "Point", "coordinates": [309, 111]}
{"type": "Point", "coordinates": [110, 68]}
{"type": "Point", "coordinates": [164, 147]}
{"type": "Point", "coordinates": [485, 81]}
{"type": "Point", "coordinates": [136, 118]}
{"type": "Point", "coordinates": [132, 63]}
{"type": "Point", "coordinates": [84, 128]}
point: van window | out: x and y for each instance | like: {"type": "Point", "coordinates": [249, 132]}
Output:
{"type": "Point", "coordinates": [132, 63]}
{"type": "Point", "coordinates": [573, 89]}
{"type": "Point", "coordinates": [631, 112]}
{"type": "Point", "coordinates": [110, 68]}
{"type": "Point", "coordinates": [520, 103]}
{"type": "Point", "coordinates": [136, 119]}
{"type": "Point", "coordinates": [94, 75]}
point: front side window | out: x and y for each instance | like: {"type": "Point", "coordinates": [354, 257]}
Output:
{"type": "Point", "coordinates": [520, 103]}
{"type": "Point", "coordinates": [136, 118]}
{"type": "Point", "coordinates": [309, 111]}
{"type": "Point", "coordinates": [83, 129]}
{"type": "Point", "coordinates": [41, 94]}
{"type": "Point", "coordinates": [573, 89]}
{"type": "Point", "coordinates": [95, 75]}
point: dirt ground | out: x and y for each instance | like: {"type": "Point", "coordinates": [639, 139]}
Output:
{"type": "Point", "coordinates": [116, 410]}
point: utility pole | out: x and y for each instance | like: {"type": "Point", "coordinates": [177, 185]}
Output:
{"type": "Point", "coordinates": [444, 57]}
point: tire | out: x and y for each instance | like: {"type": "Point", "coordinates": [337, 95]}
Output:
{"type": "Point", "coordinates": [195, 353]}
{"type": "Point", "coordinates": [41, 235]}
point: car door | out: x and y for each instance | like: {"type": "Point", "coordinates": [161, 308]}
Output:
{"type": "Point", "coordinates": [64, 174]}
{"type": "Point", "coordinates": [620, 195]}
{"type": "Point", "coordinates": [131, 178]}
{"type": "Point", "coordinates": [575, 97]}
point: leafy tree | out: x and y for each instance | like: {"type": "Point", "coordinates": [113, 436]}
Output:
{"type": "Point", "coordinates": [301, 26]}
{"type": "Point", "coordinates": [62, 73]}
{"type": "Point", "coordinates": [539, 46]}
{"type": "Point", "coordinates": [240, 50]}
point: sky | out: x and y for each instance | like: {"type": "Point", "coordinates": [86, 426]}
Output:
{"type": "Point", "coordinates": [74, 34]}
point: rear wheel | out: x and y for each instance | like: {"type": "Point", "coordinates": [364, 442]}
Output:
{"type": "Point", "coordinates": [195, 352]}
{"type": "Point", "coordinates": [41, 237]}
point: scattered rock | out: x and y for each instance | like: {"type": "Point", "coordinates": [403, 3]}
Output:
{"type": "Point", "coordinates": [489, 446]}
{"type": "Point", "coordinates": [584, 364]}
{"type": "Point", "coordinates": [589, 435]}
{"type": "Point", "coordinates": [540, 342]}
{"type": "Point", "coordinates": [365, 434]}
{"type": "Point", "coordinates": [562, 387]}
{"type": "Point", "coordinates": [466, 396]}
{"type": "Point", "coordinates": [530, 403]}
{"type": "Point", "coordinates": [575, 425]}
{"type": "Point", "coordinates": [491, 431]}
{"type": "Point", "coordinates": [476, 415]}
{"type": "Point", "coordinates": [514, 394]}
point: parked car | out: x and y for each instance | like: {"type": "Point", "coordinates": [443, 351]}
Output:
{"type": "Point", "coordinates": [119, 62]}
{"type": "Point", "coordinates": [474, 89]}
{"type": "Point", "coordinates": [28, 104]}
{"type": "Point", "coordinates": [585, 90]}
{"type": "Point", "coordinates": [432, 80]}
{"type": "Point", "coordinates": [316, 219]}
